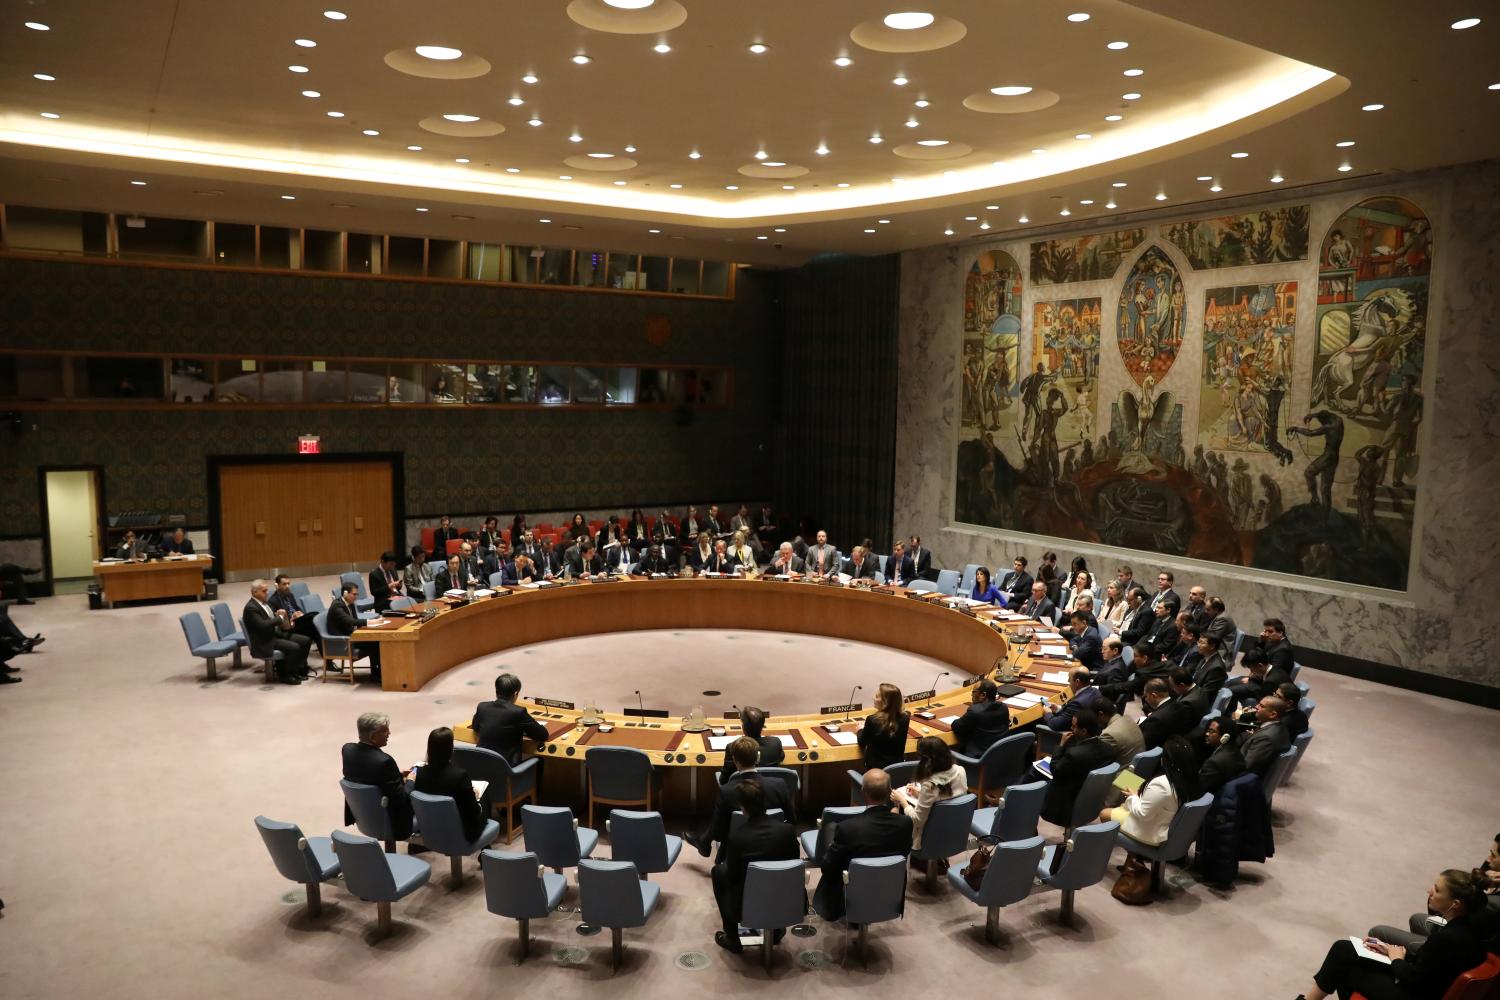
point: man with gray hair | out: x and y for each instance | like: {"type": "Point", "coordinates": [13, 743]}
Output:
{"type": "Point", "coordinates": [880, 830]}
{"type": "Point", "coordinates": [786, 561]}
{"type": "Point", "coordinates": [270, 631]}
{"type": "Point", "coordinates": [366, 763]}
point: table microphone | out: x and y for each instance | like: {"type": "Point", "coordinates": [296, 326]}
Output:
{"type": "Point", "coordinates": [641, 701]}
{"type": "Point", "coordinates": [934, 688]}
{"type": "Point", "coordinates": [857, 687]}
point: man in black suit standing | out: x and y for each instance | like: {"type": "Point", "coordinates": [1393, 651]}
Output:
{"type": "Point", "coordinates": [753, 725]}
{"type": "Point", "coordinates": [745, 753]}
{"type": "Point", "coordinates": [501, 724]}
{"type": "Point", "coordinates": [899, 571]}
{"type": "Point", "coordinates": [879, 831]}
{"type": "Point", "coordinates": [759, 838]}
{"type": "Point", "coordinates": [1038, 606]}
{"type": "Point", "coordinates": [343, 619]}
{"type": "Point", "coordinates": [986, 722]}
{"type": "Point", "coordinates": [1017, 583]}
{"type": "Point", "coordinates": [386, 583]}
{"type": "Point", "coordinates": [270, 631]}
{"type": "Point", "coordinates": [365, 763]}
{"type": "Point", "coordinates": [921, 560]}
{"type": "Point", "coordinates": [440, 539]}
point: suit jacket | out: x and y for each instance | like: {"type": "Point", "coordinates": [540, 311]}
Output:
{"type": "Point", "coordinates": [879, 831]}
{"type": "Point", "coordinates": [794, 565]}
{"type": "Point", "coordinates": [1222, 628]}
{"type": "Point", "coordinates": [764, 838]}
{"type": "Point", "coordinates": [1162, 595]}
{"type": "Point", "coordinates": [440, 539]}
{"type": "Point", "coordinates": [1070, 766]}
{"type": "Point", "coordinates": [697, 560]}
{"type": "Point", "coordinates": [1222, 766]}
{"type": "Point", "coordinates": [883, 749]}
{"type": "Point", "coordinates": [262, 630]}
{"type": "Point", "coordinates": [727, 800]}
{"type": "Point", "coordinates": [1123, 737]}
{"type": "Point", "coordinates": [442, 582]}
{"type": "Point", "coordinates": [983, 725]}
{"type": "Point", "coordinates": [548, 562]}
{"type": "Point", "coordinates": [772, 753]}
{"type": "Point", "coordinates": [1279, 655]}
{"type": "Point", "coordinates": [1136, 625]}
{"type": "Point", "coordinates": [1211, 673]}
{"type": "Point", "coordinates": [653, 563]}
{"type": "Point", "coordinates": [368, 765]}
{"type": "Point", "coordinates": [1017, 585]}
{"type": "Point", "coordinates": [415, 575]}
{"type": "Point", "coordinates": [170, 545]}
{"type": "Point", "coordinates": [921, 561]}
{"type": "Point", "coordinates": [1061, 720]}
{"type": "Point", "coordinates": [381, 589]}
{"type": "Point", "coordinates": [904, 568]}
{"type": "Point", "coordinates": [579, 565]}
{"type": "Point", "coordinates": [470, 570]}
{"type": "Point", "coordinates": [1263, 746]}
{"type": "Point", "coordinates": [342, 619]}
{"type": "Point", "coordinates": [864, 571]}
{"type": "Point", "coordinates": [1043, 610]}
{"type": "Point", "coordinates": [1088, 649]}
{"type": "Point", "coordinates": [1173, 717]}
{"type": "Point", "coordinates": [830, 559]}
{"type": "Point", "coordinates": [507, 570]}
{"type": "Point", "coordinates": [501, 725]}
{"type": "Point", "coordinates": [284, 602]}
{"type": "Point", "coordinates": [720, 564]}
{"type": "Point", "coordinates": [454, 782]}
{"type": "Point", "coordinates": [1162, 637]}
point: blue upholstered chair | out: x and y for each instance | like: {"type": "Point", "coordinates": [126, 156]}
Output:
{"type": "Point", "coordinates": [337, 649]}
{"type": "Point", "coordinates": [831, 814]}
{"type": "Point", "coordinates": [1086, 862]}
{"type": "Point", "coordinates": [200, 645]}
{"type": "Point", "coordinates": [376, 876]}
{"type": "Point", "coordinates": [515, 886]}
{"type": "Point", "coordinates": [1090, 801]}
{"type": "Point", "coordinates": [618, 776]}
{"type": "Point", "coordinates": [1300, 745]}
{"type": "Point", "coordinates": [311, 603]}
{"type": "Point", "coordinates": [224, 628]}
{"type": "Point", "coordinates": [902, 773]}
{"type": "Point", "coordinates": [1016, 816]}
{"type": "Point", "coordinates": [612, 894]}
{"type": "Point", "coordinates": [301, 590]}
{"type": "Point", "coordinates": [774, 898]}
{"type": "Point", "coordinates": [947, 582]}
{"type": "Point", "coordinates": [1277, 772]}
{"type": "Point", "coordinates": [402, 603]}
{"type": "Point", "coordinates": [308, 861]}
{"type": "Point", "coordinates": [362, 600]}
{"type": "Point", "coordinates": [966, 584]}
{"type": "Point", "coordinates": [946, 833]}
{"type": "Point", "coordinates": [922, 586]}
{"type": "Point", "coordinates": [1146, 764]}
{"type": "Point", "coordinates": [371, 812]}
{"type": "Point", "coordinates": [875, 892]}
{"type": "Point", "coordinates": [555, 836]}
{"type": "Point", "coordinates": [642, 839]}
{"type": "Point", "coordinates": [443, 831]}
{"type": "Point", "coordinates": [429, 590]}
{"type": "Point", "coordinates": [1004, 763]}
{"type": "Point", "coordinates": [1008, 879]}
{"type": "Point", "coordinates": [509, 786]}
{"type": "Point", "coordinates": [1180, 836]}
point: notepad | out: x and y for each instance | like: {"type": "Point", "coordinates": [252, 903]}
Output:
{"type": "Point", "coordinates": [844, 739]}
{"type": "Point", "coordinates": [1129, 781]}
{"type": "Point", "coordinates": [1363, 951]}
{"type": "Point", "coordinates": [1055, 677]}
{"type": "Point", "coordinates": [484, 593]}
{"type": "Point", "coordinates": [949, 720]}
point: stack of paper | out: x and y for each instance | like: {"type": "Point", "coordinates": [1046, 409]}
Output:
{"type": "Point", "coordinates": [484, 593]}
{"type": "Point", "coordinates": [1024, 700]}
{"type": "Point", "coordinates": [844, 739]}
{"type": "Point", "coordinates": [1055, 677]}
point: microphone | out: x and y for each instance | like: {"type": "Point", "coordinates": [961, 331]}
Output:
{"type": "Point", "coordinates": [641, 701]}
{"type": "Point", "coordinates": [934, 688]}
{"type": "Point", "coordinates": [857, 687]}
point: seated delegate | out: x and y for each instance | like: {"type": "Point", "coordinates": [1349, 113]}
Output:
{"type": "Point", "coordinates": [367, 763]}
{"type": "Point", "coordinates": [984, 590]}
{"type": "Point", "coordinates": [1147, 815]}
{"type": "Point", "coordinates": [985, 722]}
{"type": "Point", "coordinates": [759, 838]}
{"type": "Point", "coordinates": [881, 830]}
{"type": "Point", "coordinates": [438, 775]}
{"type": "Point", "coordinates": [939, 777]}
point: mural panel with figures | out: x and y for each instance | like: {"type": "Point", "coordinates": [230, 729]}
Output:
{"type": "Point", "coordinates": [1328, 494]}
{"type": "Point", "coordinates": [992, 329]}
{"type": "Point", "coordinates": [1270, 236]}
{"type": "Point", "coordinates": [1082, 258]}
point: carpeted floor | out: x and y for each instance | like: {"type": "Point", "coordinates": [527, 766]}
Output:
{"type": "Point", "coordinates": [132, 868]}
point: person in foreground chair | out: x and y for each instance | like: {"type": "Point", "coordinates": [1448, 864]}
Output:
{"type": "Point", "coordinates": [343, 619]}
{"type": "Point", "coordinates": [986, 722]}
{"type": "Point", "coordinates": [366, 763]}
{"type": "Point", "coordinates": [746, 754]}
{"type": "Point", "coordinates": [501, 724]}
{"type": "Point", "coordinates": [759, 838]}
{"type": "Point", "coordinates": [1147, 815]}
{"type": "Point", "coordinates": [879, 831]}
{"type": "Point", "coordinates": [752, 725]}
{"type": "Point", "coordinates": [270, 632]}
{"type": "Point", "coordinates": [440, 776]}
{"type": "Point", "coordinates": [939, 777]}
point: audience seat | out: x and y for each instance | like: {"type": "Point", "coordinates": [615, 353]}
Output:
{"type": "Point", "coordinates": [1005, 762]}
{"type": "Point", "coordinates": [1277, 772]}
{"type": "Point", "coordinates": [618, 776]}
{"type": "Point", "coordinates": [1016, 816]}
{"type": "Point", "coordinates": [1300, 745]}
{"type": "Point", "coordinates": [831, 814]}
{"type": "Point", "coordinates": [642, 839]}
{"type": "Point", "coordinates": [371, 812]}
{"type": "Point", "coordinates": [946, 833]}
{"type": "Point", "coordinates": [308, 861]}
{"type": "Point", "coordinates": [1147, 763]}
{"type": "Point", "coordinates": [1480, 983]}
{"type": "Point", "coordinates": [509, 786]}
{"type": "Point", "coordinates": [224, 628]}
{"type": "Point", "coordinates": [200, 645]}
{"type": "Point", "coordinates": [516, 887]}
{"type": "Point", "coordinates": [1008, 879]}
{"type": "Point", "coordinates": [429, 536]}
{"type": "Point", "coordinates": [774, 898]}
{"type": "Point", "coordinates": [922, 586]}
{"type": "Point", "coordinates": [902, 773]}
{"type": "Point", "coordinates": [443, 831]}
{"type": "Point", "coordinates": [336, 648]}
{"type": "Point", "coordinates": [362, 600]}
{"type": "Point", "coordinates": [612, 894]}
{"type": "Point", "coordinates": [1180, 836]}
{"type": "Point", "coordinates": [1086, 863]}
{"type": "Point", "coordinates": [874, 892]}
{"type": "Point", "coordinates": [555, 836]}
{"type": "Point", "coordinates": [311, 604]}
{"type": "Point", "coordinates": [1090, 801]}
{"type": "Point", "coordinates": [377, 876]}
{"type": "Point", "coordinates": [300, 590]}
{"type": "Point", "coordinates": [966, 583]}
{"type": "Point", "coordinates": [402, 603]}
{"type": "Point", "coordinates": [947, 582]}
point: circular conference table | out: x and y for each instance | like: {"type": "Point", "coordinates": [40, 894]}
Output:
{"type": "Point", "coordinates": [974, 641]}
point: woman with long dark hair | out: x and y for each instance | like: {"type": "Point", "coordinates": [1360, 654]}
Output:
{"type": "Point", "coordinates": [984, 589]}
{"type": "Point", "coordinates": [939, 777]}
{"type": "Point", "coordinates": [440, 776]}
{"type": "Point", "coordinates": [579, 528]}
{"type": "Point", "coordinates": [883, 736]}
{"type": "Point", "coordinates": [1147, 815]}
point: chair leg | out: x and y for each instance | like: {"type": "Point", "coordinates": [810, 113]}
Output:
{"type": "Point", "coordinates": [390, 847]}
{"type": "Point", "coordinates": [525, 940]}
{"type": "Point", "coordinates": [382, 919]}
{"type": "Point", "coordinates": [864, 933]}
{"type": "Point", "coordinates": [1067, 907]}
{"type": "Point", "coordinates": [617, 944]}
{"type": "Point", "coordinates": [213, 669]}
{"type": "Point", "coordinates": [765, 946]}
{"type": "Point", "coordinates": [932, 874]}
{"type": "Point", "coordinates": [237, 663]}
{"type": "Point", "coordinates": [456, 871]}
{"type": "Point", "coordinates": [314, 899]}
{"type": "Point", "coordinates": [1156, 867]}
{"type": "Point", "coordinates": [992, 925]}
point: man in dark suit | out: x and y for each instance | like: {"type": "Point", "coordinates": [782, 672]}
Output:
{"type": "Point", "coordinates": [366, 763]}
{"type": "Point", "coordinates": [501, 725]}
{"type": "Point", "coordinates": [445, 533]}
{"type": "Point", "coordinates": [471, 572]}
{"type": "Point", "coordinates": [549, 560]}
{"type": "Point", "coordinates": [821, 559]}
{"type": "Point", "coordinates": [1137, 621]}
{"type": "Point", "coordinates": [1164, 591]}
{"type": "Point", "coordinates": [746, 755]}
{"type": "Point", "coordinates": [721, 561]}
{"type": "Point", "coordinates": [1017, 583]}
{"type": "Point", "coordinates": [986, 722]}
{"type": "Point", "coordinates": [500, 561]}
{"type": "Point", "coordinates": [1211, 671]}
{"type": "Point", "coordinates": [450, 577]}
{"type": "Point", "coordinates": [1080, 752]}
{"type": "Point", "coordinates": [921, 559]}
{"type": "Point", "coordinates": [753, 725]}
{"type": "Point", "coordinates": [1164, 634]}
{"type": "Point", "coordinates": [1038, 606]}
{"type": "Point", "coordinates": [766, 528]}
{"type": "Point", "coordinates": [177, 544]}
{"type": "Point", "coordinates": [386, 583]}
{"type": "Point", "coordinates": [282, 599]}
{"type": "Point", "coordinates": [1220, 626]}
{"type": "Point", "coordinates": [1197, 607]}
{"type": "Point", "coordinates": [860, 565]}
{"type": "Point", "coordinates": [1125, 578]}
{"type": "Point", "coordinates": [1086, 646]}
{"type": "Point", "coordinates": [1277, 647]}
{"type": "Point", "coordinates": [269, 631]}
{"type": "Point", "coordinates": [343, 619]}
{"type": "Point", "coordinates": [585, 562]}
{"type": "Point", "coordinates": [1269, 739]}
{"type": "Point", "coordinates": [1175, 707]}
{"type": "Point", "coordinates": [881, 830]}
{"type": "Point", "coordinates": [1081, 696]}
{"type": "Point", "coordinates": [1112, 667]}
{"type": "Point", "coordinates": [759, 838]}
{"type": "Point", "coordinates": [899, 571]}
{"type": "Point", "coordinates": [1220, 759]}
{"type": "Point", "coordinates": [655, 561]}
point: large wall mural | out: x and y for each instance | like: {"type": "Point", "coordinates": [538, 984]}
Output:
{"type": "Point", "coordinates": [992, 330]}
{"type": "Point", "coordinates": [1301, 466]}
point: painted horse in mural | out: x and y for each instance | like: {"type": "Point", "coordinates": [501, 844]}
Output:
{"type": "Point", "coordinates": [1377, 335]}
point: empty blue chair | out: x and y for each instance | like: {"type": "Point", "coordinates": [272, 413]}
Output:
{"type": "Point", "coordinates": [224, 628]}
{"type": "Point", "coordinates": [1303, 687]}
{"type": "Point", "coordinates": [402, 603]}
{"type": "Point", "coordinates": [371, 812]}
{"type": "Point", "coordinates": [311, 603]}
{"type": "Point", "coordinates": [1127, 653]}
{"type": "Point", "coordinates": [611, 894]}
{"type": "Point", "coordinates": [377, 877]}
{"type": "Point", "coordinates": [362, 600]}
{"type": "Point", "coordinates": [618, 776]}
{"type": "Point", "coordinates": [1180, 836]}
{"type": "Point", "coordinates": [922, 586]}
{"type": "Point", "coordinates": [1222, 699]}
{"type": "Point", "coordinates": [443, 831]}
{"type": "Point", "coordinates": [1085, 863]}
{"type": "Point", "coordinates": [429, 590]}
{"type": "Point", "coordinates": [831, 814]}
{"type": "Point", "coordinates": [966, 584]}
{"type": "Point", "coordinates": [1300, 745]}
{"type": "Point", "coordinates": [947, 582]}
{"type": "Point", "coordinates": [301, 590]}
{"type": "Point", "coordinates": [902, 773]}
{"type": "Point", "coordinates": [774, 898]}
{"type": "Point", "coordinates": [509, 786]}
{"type": "Point", "coordinates": [555, 836]}
{"type": "Point", "coordinates": [496, 580]}
{"type": "Point", "coordinates": [308, 861]}
{"type": "Point", "coordinates": [200, 645]}
{"type": "Point", "coordinates": [1146, 764]}
{"type": "Point", "coordinates": [946, 833]}
{"type": "Point", "coordinates": [1277, 772]}
{"type": "Point", "coordinates": [1016, 816]}
{"type": "Point", "coordinates": [875, 893]}
{"type": "Point", "coordinates": [1004, 763]}
{"type": "Point", "coordinates": [1090, 801]}
{"type": "Point", "coordinates": [642, 839]}
{"type": "Point", "coordinates": [1292, 673]}
{"type": "Point", "coordinates": [1307, 705]}
{"type": "Point", "coordinates": [1007, 879]}
{"type": "Point", "coordinates": [516, 887]}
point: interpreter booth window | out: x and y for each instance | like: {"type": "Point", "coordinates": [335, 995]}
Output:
{"type": "Point", "coordinates": [484, 261]}
{"type": "Point", "coordinates": [623, 270]}
{"type": "Point", "coordinates": [367, 381]}
{"type": "Point", "coordinates": [553, 385]}
{"type": "Point", "coordinates": [589, 269]}
{"type": "Point", "coordinates": [588, 385]}
{"type": "Point", "coordinates": [555, 267]}
{"type": "Point", "coordinates": [653, 386]}
{"type": "Point", "coordinates": [715, 278]}
{"type": "Point", "coordinates": [654, 272]}
{"type": "Point", "coordinates": [192, 380]}
{"type": "Point", "coordinates": [445, 383]}
{"type": "Point", "coordinates": [482, 384]}
{"type": "Point", "coordinates": [619, 385]}
{"type": "Point", "coordinates": [283, 381]}
{"type": "Point", "coordinates": [406, 384]}
{"type": "Point", "coordinates": [238, 381]}
{"type": "Point", "coordinates": [117, 378]}
{"type": "Point", "coordinates": [687, 276]}
{"type": "Point", "coordinates": [327, 382]}
{"type": "Point", "coordinates": [518, 384]}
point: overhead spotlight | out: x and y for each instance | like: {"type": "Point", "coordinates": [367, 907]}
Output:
{"type": "Point", "coordinates": [694, 155]}
{"type": "Point", "coordinates": [1110, 204]}
{"type": "Point", "coordinates": [421, 210]}
{"type": "Point", "coordinates": [139, 183]}
{"type": "Point", "coordinates": [462, 118]}
{"type": "Point", "coordinates": [1217, 187]}
{"type": "Point", "coordinates": [779, 229]}
{"type": "Point", "coordinates": [662, 47]}
{"type": "Point", "coordinates": [461, 159]}
{"type": "Point", "coordinates": [288, 197]}
{"type": "Point", "coordinates": [1373, 107]}
{"type": "Point", "coordinates": [581, 60]}
{"type": "Point", "coordinates": [1205, 177]}
{"type": "Point", "coordinates": [1113, 118]}
{"type": "Point", "coordinates": [306, 43]}
{"type": "Point", "coordinates": [1118, 45]}
{"type": "Point", "coordinates": [971, 218]}
{"type": "Point", "coordinates": [788, 187]}
{"type": "Point", "coordinates": [1039, 151]}
{"type": "Point", "coordinates": [50, 114]}
{"type": "Point", "coordinates": [775, 163]}
{"type": "Point", "coordinates": [335, 15]}
{"type": "Point", "coordinates": [630, 149]}
{"type": "Point", "coordinates": [512, 170]}
{"type": "Point", "coordinates": [758, 48]}
{"type": "Point", "coordinates": [1344, 143]}
{"type": "Point", "coordinates": [842, 184]}
{"type": "Point", "coordinates": [297, 69]}
{"type": "Point", "coordinates": [1132, 96]}
{"type": "Point", "coordinates": [1078, 18]}
{"type": "Point", "coordinates": [1065, 212]}
{"type": "Point", "coordinates": [575, 137]}
{"type": "Point", "coordinates": [1344, 168]}
{"type": "Point", "coordinates": [1084, 135]}
{"type": "Point", "coordinates": [335, 114]}
{"type": "Point", "coordinates": [843, 61]}
{"type": "Point", "coordinates": [822, 149]}
{"type": "Point", "coordinates": [869, 230]}
{"type": "Point", "coordinates": [371, 131]}
{"type": "Point", "coordinates": [1132, 72]}
{"type": "Point", "coordinates": [876, 140]}
{"type": "Point", "coordinates": [1118, 184]}
{"type": "Point", "coordinates": [1238, 156]}
{"type": "Point", "coordinates": [675, 187]}
{"type": "Point", "coordinates": [441, 53]}
{"type": "Point", "coordinates": [900, 81]}
{"type": "Point", "coordinates": [731, 187]}
{"type": "Point", "coordinates": [948, 231]}
{"type": "Point", "coordinates": [630, 4]}
{"type": "Point", "coordinates": [38, 26]}
{"type": "Point", "coordinates": [984, 225]}
{"type": "Point", "coordinates": [529, 78]}
{"type": "Point", "coordinates": [534, 122]}
{"type": "Point", "coordinates": [1010, 91]}
{"type": "Point", "coordinates": [910, 20]}
{"type": "Point", "coordinates": [1085, 201]}
{"type": "Point", "coordinates": [516, 102]}
{"type": "Point", "coordinates": [1277, 178]}
{"type": "Point", "coordinates": [619, 183]}
{"type": "Point", "coordinates": [1023, 220]}
{"type": "Point", "coordinates": [1161, 196]}
{"type": "Point", "coordinates": [760, 154]}
{"type": "Point", "coordinates": [415, 149]}
{"type": "Point", "coordinates": [44, 77]}
{"type": "Point", "coordinates": [311, 93]}
{"type": "Point", "coordinates": [1464, 23]}
{"type": "Point", "coordinates": [564, 177]}
{"type": "Point", "coordinates": [912, 123]}
{"type": "Point", "coordinates": [921, 103]}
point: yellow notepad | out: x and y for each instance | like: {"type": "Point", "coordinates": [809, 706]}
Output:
{"type": "Point", "coordinates": [1129, 781]}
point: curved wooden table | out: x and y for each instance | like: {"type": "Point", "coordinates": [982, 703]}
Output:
{"type": "Point", "coordinates": [413, 653]}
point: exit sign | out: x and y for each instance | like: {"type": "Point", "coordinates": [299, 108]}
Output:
{"type": "Point", "coordinates": [309, 444]}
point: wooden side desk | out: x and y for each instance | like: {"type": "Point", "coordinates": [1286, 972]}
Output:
{"type": "Point", "coordinates": [140, 581]}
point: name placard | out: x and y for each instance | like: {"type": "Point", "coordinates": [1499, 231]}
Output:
{"type": "Point", "coordinates": [917, 696]}
{"type": "Point", "coordinates": [836, 709]}
{"type": "Point", "coordinates": [553, 703]}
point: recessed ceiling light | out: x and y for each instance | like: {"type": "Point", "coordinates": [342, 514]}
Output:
{"type": "Point", "coordinates": [1373, 107]}
{"type": "Point", "coordinates": [842, 184]}
{"type": "Point", "coordinates": [842, 61]}
{"type": "Point", "coordinates": [534, 122]}
{"type": "Point", "coordinates": [822, 149]}
{"type": "Point", "coordinates": [620, 183]}
{"type": "Point", "coordinates": [675, 187]}
{"type": "Point", "coordinates": [932, 142]}
{"type": "Point", "coordinates": [630, 149]}
{"type": "Point", "coordinates": [788, 187]}
{"type": "Point", "coordinates": [1085, 201]}
{"type": "Point", "coordinates": [758, 48]}
{"type": "Point", "coordinates": [575, 137]}
{"type": "Point", "coordinates": [1217, 187]}
{"type": "Point", "coordinates": [1132, 72]}
{"type": "Point", "coordinates": [461, 159]}
{"type": "Point", "coordinates": [335, 15]}
{"type": "Point", "coordinates": [1010, 91]}
{"type": "Point", "coordinates": [1039, 151]}
{"type": "Point", "coordinates": [50, 114]}
{"type": "Point", "coordinates": [694, 155]}
{"type": "Point", "coordinates": [1023, 220]}
{"type": "Point", "coordinates": [1344, 143]}
{"type": "Point", "coordinates": [1161, 196]}
{"type": "Point", "coordinates": [415, 149]}
{"type": "Point", "coordinates": [512, 170]}
{"type": "Point", "coordinates": [1110, 203]}
{"type": "Point", "coordinates": [1238, 156]}
{"type": "Point", "coordinates": [1113, 118]}
{"type": "Point", "coordinates": [900, 81]}
{"type": "Point", "coordinates": [544, 220]}
{"type": "Point", "coordinates": [869, 230]}
{"type": "Point", "coordinates": [421, 210]}
{"type": "Point", "coordinates": [462, 118]}
{"type": "Point", "coordinates": [912, 123]}
{"type": "Point", "coordinates": [876, 140]}
{"type": "Point", "coordinates": [1083, 135]}
{"type": "Point", "coordinates": [630, 4]}
{"type": "Point", "coordinates": [38, 26]}
{"type": "Point", "coordinates": [775, 163]}
{"type": "Point", "coordinates": [779, 229]}
{"type": "Point", "coordinates": [1344, 168]}
{"type": "Point", "coordinates": [529, 78]}
{"type": "Point", "coordinates": [984, 225]}
{"type": "Point", "coordinates": [1118, 184]}
{"type": "Point", "coordinates": [971, 218]}
{"type": "Point", "coordinates": [288, 197]}
{"type": "Point", "coordinates": [1277, 178]}
{"type": "Point", "coordinates": [442, 53]}
{"type": "Point", "coordinates": [1118, 45]}
{"type": "Point", "coordinates": [45, 77]}
{"type": "Point", "coordinates": [1464, 23]}
{"type": "Point", "coordinates": [564, 177]}
{"type": "Point", "coordinates": [139, 184]}
{"type": "Point", "coordinates": [516, 102]}
{"type": "Point", "coordinates": [662, 47]}
{"type": "Point", "coordinates": [1078, 18]}
{"type": "Point", "coordinates": [992, 208]}
{"type": "Point", "coordinates": [922, 103]}
{"type": "Point", "coordinates": [731, 187]}
{"type": "Point", "coordinates": [948, 231]}
{"type": "Point", "coordinates": [760, 154]}
{"type": "Point", "coordinates": [1132, 96]}
{"type": "Point", "coordinates": [1205, 177]}
{"type": "Point", "coordinates": [581, 60]}
{"type": "Point", "coordinates": [909, 20]}
{"type": "Point", "coordinates": [371, 131]}
{"type": "Point", "coordinates": [311, 93]}
{"type": "Point", "coordinates": [297, 69]}
{"type": "Point", "coordinates": [884, 222]}
{"type": "Point", "coordinates": [602, 156]}
{"type": "Point", "coordinates": [335, 114]}
{"type": "Point", "coordinates": [653, 230]}
{"type": "Point", "coordinates": [1063, 212]}
{"type": "Point", "coordinates": [306, 43]}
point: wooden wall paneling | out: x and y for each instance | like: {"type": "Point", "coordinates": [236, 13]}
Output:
{"type": "Point", "coordinates": [312, 514]}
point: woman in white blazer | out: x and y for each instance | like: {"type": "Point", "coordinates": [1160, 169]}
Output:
{"type": "Point", "coordinates": [1147, 816]}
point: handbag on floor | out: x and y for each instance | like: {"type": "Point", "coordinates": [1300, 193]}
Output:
{"type": "Point", "coordinates": [1133, 887]}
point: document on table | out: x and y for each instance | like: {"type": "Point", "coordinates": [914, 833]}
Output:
{"type": "Point", "coordinates": [949, 720]}
{"type": "Point", "coordinates": [1024, 700]}
{"type": "Point", "coordinates": [484, 593]}
{"type": "Point", "coordinates": [455, 592]}
{"type": "Point", "coordinates": [720, 742]}
{"type": "Point", "coordinates": [531, 586]}
{"type": "Point", "coordinates": [1040, 634]}
{"type": "Point", "coordinates": [844, 739]}
{"type": "Point", "coordinates": [1363, 951]}
{"type": "Point", "coordinates": [1053, 649]}
{"type": "Point", "coordinates": [1055, 677]}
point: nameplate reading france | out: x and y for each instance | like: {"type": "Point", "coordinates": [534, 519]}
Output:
{"type": "Point", "coordinates": [917, 696]}
{"type": "Point", "coordinates": [853, 706]}
{"type": "Point", "coordinates": [553, 703]}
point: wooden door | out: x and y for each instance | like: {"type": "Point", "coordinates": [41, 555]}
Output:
{"type": "Point", "coordinates": [304, 515]}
